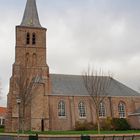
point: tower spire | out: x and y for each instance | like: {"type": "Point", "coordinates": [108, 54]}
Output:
{"type": "Point", "coordinates": [30, 17]}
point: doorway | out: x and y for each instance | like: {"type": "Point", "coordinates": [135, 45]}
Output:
{"type": "Point", "coordinates": [42, 125]}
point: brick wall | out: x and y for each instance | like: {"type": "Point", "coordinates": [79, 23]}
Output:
{"type": "Point", "coordinates": [72, 113]}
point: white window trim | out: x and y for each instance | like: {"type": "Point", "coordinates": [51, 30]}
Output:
{"type": "Point", "coordinates": [1, 120]}
{"type": "Point", "coordinates": [122, 110]}
{"type": "Point", "coordinates": [103, 108]}
{"type": "Point", "coordinates": [81, 106]}
{"type": "Point", "coordinates": [60, 110]}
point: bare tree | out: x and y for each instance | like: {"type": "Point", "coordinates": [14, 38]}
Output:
{"type": "Point", "coordinates": [96, 84]}
{"type": "Point", "coordinates": [26, 83]}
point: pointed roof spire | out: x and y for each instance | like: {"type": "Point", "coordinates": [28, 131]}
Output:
{"type": "Point", "coordinates": [30, 17]}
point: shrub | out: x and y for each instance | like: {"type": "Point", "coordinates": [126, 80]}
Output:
{"type": "Point", "coordinates": [1, 126]}
{"type": "Point", "coordinates": [120, 124]}
{"type": "Point", "coordinates": [114, 124]}
{"type": "Point", "coordinates": [84, 125]}
{"type": "Point", "coordinates": [79, 126]}
{"type": "Point", "coordinates": [90, 126]}
{"type": "Point", "coordinates": [106, 124]}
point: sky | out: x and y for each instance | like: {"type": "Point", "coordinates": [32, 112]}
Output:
{"type": "Point", "coordinates": [102, 33]}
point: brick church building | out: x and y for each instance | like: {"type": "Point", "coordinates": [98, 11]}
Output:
{"type": "Point", "coordinates": [38, 100]}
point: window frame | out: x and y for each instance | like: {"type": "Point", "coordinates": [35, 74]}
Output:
{"type": "Point", "coordinates": [27, 38]}
{"type": "Point", "coordinates": [27, 59]}
{"type": "Point", "coordinates": [122, 110]}
{"type": "Point", "coordinates": [2, 121]}
{"type": "Point", "coordinates": [61, 109]}
{"type": "Point", "coordinates": [82, 109]}
{"type": "Point", "coordinates": [33, 39]}
{"type": "Point", "coordinates": [34, 59]}
{"type": "Point", "coordinates": [102, 110]}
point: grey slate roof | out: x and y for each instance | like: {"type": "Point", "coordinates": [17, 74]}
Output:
{"type": "Point", "coordinates": [30, 17]}
{"type": "Point", "coordinates": [70, 85]}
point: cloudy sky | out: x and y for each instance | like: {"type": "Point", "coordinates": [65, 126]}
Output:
{"type": "Point", "coordinates": [102, 33]}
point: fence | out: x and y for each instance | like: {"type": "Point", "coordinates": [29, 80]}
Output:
{"type": "Point", "coordinates": [70, 137]}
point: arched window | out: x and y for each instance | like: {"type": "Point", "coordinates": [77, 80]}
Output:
{"type": "Point", "coordinates": [27, 82]}
{"type": "Point", "coordinates": [102, 112]}
{"type": "Point", "coordinates": [61, 109]}
{"type": "Point", "coordinates": [34, 59]}
{"type": "Point", "coordinates": [33, 39]}
{"type": "Point", "coordinates": [82, 109]}
{"type": "Point", "coordinates": [28, 38]}
{"type": "Point", "coordinates": [122, 110]}
{"type": "Point", "coordinates": [27, 59]}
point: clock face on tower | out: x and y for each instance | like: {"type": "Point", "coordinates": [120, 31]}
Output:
{"type": "Point", "coordinates": [30, 22]}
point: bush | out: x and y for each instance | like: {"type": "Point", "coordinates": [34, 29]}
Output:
{"type": "Point", "coordinates": [1, 126]}
{"type": "Point", "coordinates": [120, 124]}
{"type": "Point", "coordinates": [90, 126]}
{"type": "Point", "coordinates": [114, 124]}
{"type": "Point", "coordinates": [84, 125]}
{"type": "Point", "coordinates": [79, 126]}
{"type": "Point", "coordinates": [106, 124]}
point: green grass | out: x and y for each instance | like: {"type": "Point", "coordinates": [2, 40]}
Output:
{"type": "Point", "coordinates": [84, 132]}
{"type": "Point", "coordinates": [78, 132]}
{"type": "Point", "coordinates": [1, 130]}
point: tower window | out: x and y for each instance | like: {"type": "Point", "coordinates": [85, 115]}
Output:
{"type": "Point", "coordinates": [28, 38]}
{"type": "Point", "coordinates": [33, 39]}
{"type": "Point", "coordinates": [27, 59]}
{"type": "Point", "coordinates": [34, 59]}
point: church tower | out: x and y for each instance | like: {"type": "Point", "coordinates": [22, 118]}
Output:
{"type": "Point", "coordinates": [27, 100]}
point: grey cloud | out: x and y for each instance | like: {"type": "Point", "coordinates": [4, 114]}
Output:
{"type": "Point", "coordinates": [102, 32]}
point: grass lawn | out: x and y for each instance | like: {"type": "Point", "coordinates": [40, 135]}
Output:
{"type": "Point", "coordinates": [1, 130]}
{"type": "Point", "coordinates": [84, 132]}
{"type": "Point", "coordinates": [79, 132]}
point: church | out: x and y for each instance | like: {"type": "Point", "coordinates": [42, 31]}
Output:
{"type": "Point", "coordinates": [41, 101]}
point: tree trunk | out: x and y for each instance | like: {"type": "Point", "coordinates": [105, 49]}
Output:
{"type": "Point", "coordinates": [98, 120]}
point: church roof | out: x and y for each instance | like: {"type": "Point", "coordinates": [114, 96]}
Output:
{"type": "Point", "coordinates": [72, 85]}
{"type": "Point", "coordinates": [30, 17]}
{"type": "Point", "coordinates": [2, 111]}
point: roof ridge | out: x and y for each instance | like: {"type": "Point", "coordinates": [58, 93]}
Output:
{"type": "Point", "coordinates": [74, 75]}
